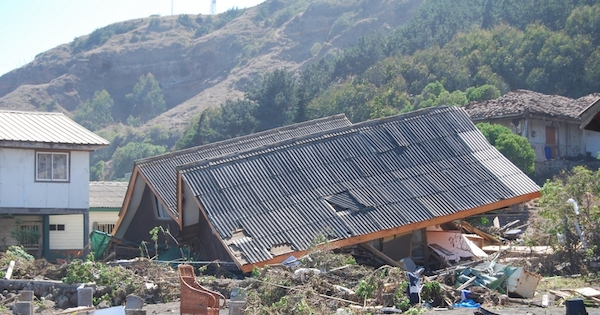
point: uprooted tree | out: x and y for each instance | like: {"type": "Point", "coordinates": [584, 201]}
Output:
{"type": "Point", "coordinates": [582, 186]}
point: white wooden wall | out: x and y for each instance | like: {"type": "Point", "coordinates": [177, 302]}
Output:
{"type": "Point", "coordinates": [72, 236]}
{"type": "Point", "coordinates": [19, 189]}
{"type": "Point", "coordinates": [592, 141]}
{"type": "Point", "coordinates": [103, 217]}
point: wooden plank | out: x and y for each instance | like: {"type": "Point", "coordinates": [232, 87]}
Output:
{"type": "Point", "coordinates": [561, 294]}
{"type": "Point", "coordinates": [376, 252]}
{"type": "Point", "coordinates": [588, 292]}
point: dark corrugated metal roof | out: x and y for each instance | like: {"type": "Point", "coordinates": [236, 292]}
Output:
{"type": "Point", "coordinates": [353, 181]}
{"type": "Point", "coordinates": [160, 171]}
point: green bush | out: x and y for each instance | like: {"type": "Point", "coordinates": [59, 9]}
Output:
{"type": "Point", "coordinates": [514, 147]}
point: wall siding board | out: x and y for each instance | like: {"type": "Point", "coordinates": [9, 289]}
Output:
{"type": "Point", "coordinates": [72, 236]}
{"type": "Point", "coordinates": [24, 192]}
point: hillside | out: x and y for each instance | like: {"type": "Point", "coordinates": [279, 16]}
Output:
{"type": "Point", "coordinates": [199, 61]}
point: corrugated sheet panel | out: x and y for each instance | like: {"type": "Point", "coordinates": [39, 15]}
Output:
{"type": "Point", "coordinates": [376, 175]}
{"type": "Point", "coordinates": [107, 194]}
{"type": "Point", "coordinates": [45, 128]}
{"type": "Point", "coordinates": [161, 171]}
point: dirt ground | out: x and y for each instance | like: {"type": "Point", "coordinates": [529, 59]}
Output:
{"type": "Point", "coordinates": [173, 308]}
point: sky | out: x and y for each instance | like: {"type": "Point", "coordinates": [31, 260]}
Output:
{"type": "Point", "coordinates": [30, 27]}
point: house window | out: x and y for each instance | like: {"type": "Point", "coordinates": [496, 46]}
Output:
{"type": "Point", "coordinates": [104, 227]}
{"type": "Point", "coordinates": [161, 212]}
{"type": "Point", "coordinates": [57, 227]}
{"type": "Point", "coordinates": [28, 234]}
{"type": "Point", "coordinates": [52, 166]}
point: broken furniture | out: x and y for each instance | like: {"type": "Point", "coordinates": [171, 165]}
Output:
{"type": "Point", "coordinates": [196, 299]}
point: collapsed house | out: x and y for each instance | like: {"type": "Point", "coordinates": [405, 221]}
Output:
{"type": "Point", "coordinates": [380, 182]}
{"type": "Point", "coordinates": [151, 198]}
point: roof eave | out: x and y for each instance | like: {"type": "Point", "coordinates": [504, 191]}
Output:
{"type": "Point", "coordinates": [588, 114]}
{"type": "Point", "coordinates": [401, 229]}
{"type": "Point", "coordinates": [51, 145]}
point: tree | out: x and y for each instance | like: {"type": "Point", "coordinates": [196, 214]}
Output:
{"type": "Point", "coordinates": [97, 112]}
{"type": "Point", "coordinates": [514, 147]}
{"type": "Point", "coordinates": [276, 98]}
{"type": "Point", "coordinates": [232, 119]}
{"type": "Point", "coordinates": [482, 93]}
{"type": "Point", "coordinates": [124, 156]}
{"type": "Point", "coordinates": [147, 99]}
{"type": "Point", "coordinates": [583, 186]}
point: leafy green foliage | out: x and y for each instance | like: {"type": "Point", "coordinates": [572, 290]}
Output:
{"type": "Point", "coordinates": [583, 186]}
{"type": "Point", "coordinates": [23, 261]}
{"type": "Point", "coordinates": [147, 99]}
{"type": "Point", "coordinates": [365, 289]}
{"type": "Point", "coordinates": [97, 112]}
{"type": "Point", "coordinates": [514, 147]}
{"type": "Point", "coordinates": [124, 157]}
{"type": "Point", "coordinates": [119, 282]}
{"type": "Point", "coordinates": [232, 119]}
{"type": "Point", "coordinates": [432, 293]}
{"type": "Point", "coordinates": [276, 100]}
{"type": "Point", "coordinates": [97, 171]}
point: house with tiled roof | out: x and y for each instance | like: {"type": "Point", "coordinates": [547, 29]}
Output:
{"type": "Point", "coordinates": [380, 183]}
{"type": "Point", "coordinates": [44, 182]}
{"type": "Point", "coordinates": [557, 127]}
{"type": "Point", "coordinates": [152, 196]}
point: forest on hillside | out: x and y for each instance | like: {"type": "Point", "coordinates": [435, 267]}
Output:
{"type": "Point", "coordinates": [451, 53]}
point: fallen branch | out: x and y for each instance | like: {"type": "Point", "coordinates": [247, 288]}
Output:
{"type": "Point", "coordinates": [294, 289]}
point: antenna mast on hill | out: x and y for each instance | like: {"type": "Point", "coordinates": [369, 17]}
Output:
{"type": "Point", "coordinates": [213, 7]}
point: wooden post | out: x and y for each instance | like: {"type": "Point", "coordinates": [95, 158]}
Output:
{"type": "Point", "coordinates": [425, 248]}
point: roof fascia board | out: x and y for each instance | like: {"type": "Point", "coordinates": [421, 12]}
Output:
{"type": "Point", "coordinates": [180, 201]}
{"type": "Point", "coordinates": [125, 214]}
{"type": "Point", "coordinates": [589, 113]}
{"type": "Point", "coordinates": [40, 211]}
{"type": "Point", "coordinates": [48, 145]}
{"type": "Point", "coordinates": [401, 229]}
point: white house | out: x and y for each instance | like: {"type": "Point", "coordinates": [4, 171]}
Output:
{"type": "Point", "coordinates": [557, 127]}
{"type": "Point", "coordinates": [44, 182]}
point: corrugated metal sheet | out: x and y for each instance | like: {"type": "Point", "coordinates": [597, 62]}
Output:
{"type": "Point", "coordinates": [40, 127]}
{"type": "Point", "coordinates": [161, 173]}
{"type": "Point", "coordinates": [107, 194]}
{"type": "Point", "coordinates": [354, 181]}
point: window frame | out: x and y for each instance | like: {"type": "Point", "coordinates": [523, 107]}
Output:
{"type": "Point", "coordinates": [160, 212]}
{"type": "Point", "coordinates": [52, 154]}
{"type": "Point", "coordinates": [33, 226]}
{"type": "Point", "coordinates": [57, 227]}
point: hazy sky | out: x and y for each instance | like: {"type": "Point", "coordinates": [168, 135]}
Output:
{"type": "Point", "coordinates": [30, 27]}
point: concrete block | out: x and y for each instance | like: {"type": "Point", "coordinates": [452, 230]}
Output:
{"type": "Point", "coordinates": [85, 297]}
{"type": "Point", "coordinates": [26, 296]}
{"type": "Point", "coordinates": [135, 312]}
{"type": "Point", "coordinates": [134, 302]}
{"type": "Point", "coordinates": [23, 308]}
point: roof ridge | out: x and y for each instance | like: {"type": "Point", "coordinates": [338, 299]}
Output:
{"type": "Point", "coordinates": [239, 139]}
{"type": "Point", "coordinates": [313, 137]}
{"type": "Point", "coordinates": [30, 112]}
